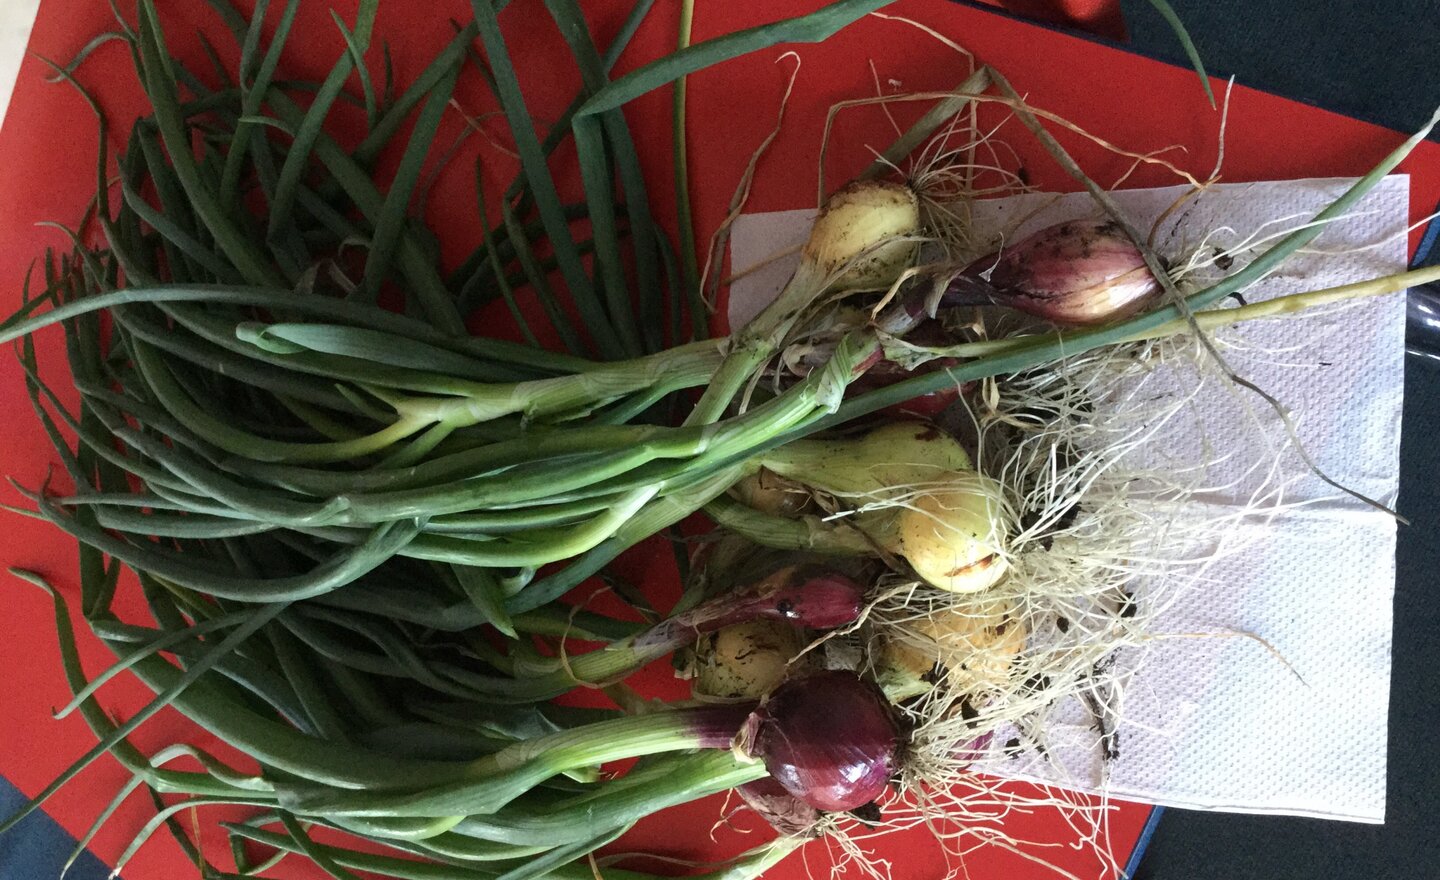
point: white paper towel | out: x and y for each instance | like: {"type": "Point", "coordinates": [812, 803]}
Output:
{"type": "Point", "coordinates": [17, 17]}
{"type": "Point", "coordinates": [1221, 723]}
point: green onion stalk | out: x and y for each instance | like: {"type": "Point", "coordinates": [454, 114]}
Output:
{"type": "Point", "coordinates": [542, 819]}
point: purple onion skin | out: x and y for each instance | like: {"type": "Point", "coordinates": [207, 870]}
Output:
{"type": "Point", "coordinates": [805, 595]}
{"type": "Point", "coordinates": [715, 727]}
{"type": "Point", "coordinates": [830, 739]}
{"type": "Point", "coordinates": [1079, 272]}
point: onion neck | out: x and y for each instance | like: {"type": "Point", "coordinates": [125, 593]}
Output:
{"type": "Point", "coordinates": [753, 345]}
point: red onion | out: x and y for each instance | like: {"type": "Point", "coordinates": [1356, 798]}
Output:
{"type": "Point", "coordinates": [829, 739]}
{"type": "Point", "coordinates": [1078, 272]}
{"type": "Point", "coordinates": [805, 595]}
{"type": "Point", "coordinates": [812, 597]}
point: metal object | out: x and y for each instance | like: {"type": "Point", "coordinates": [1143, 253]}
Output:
{"type": "Point", "coordinates": [1422, 313]}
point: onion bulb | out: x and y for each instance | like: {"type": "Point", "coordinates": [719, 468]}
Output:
{"type": "Point", "coordinates": [806, 595]}
{"type": "Point", "coordinates": [745, 660]}
{"type": "Point", "coordinates": [1079, 272]}
{"type": "Point", "coordinates": [895, 455]}
{"type": "Point", "coordinates": [830, 739]}
{"type": "Point", "coordinates": [917, 497]}
{"type": "Point", "coordinates": [769, 492]}
{"type": "Point", "coordinates": [953, 535]}
{"type": "Point", "coordinates": [864, 238]}
{"type": "Point", "coordinates": [972, 646]}
{"type": "Point", "coordinates": [866, 229]}
{"type": "Point", "coordinates": [786, 813]}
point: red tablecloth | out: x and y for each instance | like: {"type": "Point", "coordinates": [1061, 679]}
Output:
{"type": "Point", "coordinates": [47, 173]}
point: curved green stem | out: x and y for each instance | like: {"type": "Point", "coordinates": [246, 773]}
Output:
{"type": "Point", "coordinates": [490, 783]}
{"type": "Point", "coordinates": [790, 533]}
{"type": "Point", "coordinates": [162, 643]}
{"type": "Point", "coordinates": [641, 792]}
{"type": "Point", "coordinates": [225, 436]}
{"type": "Point", "coordinates": [689, 267]}
{"type": "Point", "coordinates": [672, 370]}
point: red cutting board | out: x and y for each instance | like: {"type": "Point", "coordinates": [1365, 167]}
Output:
{"type": "Point", "coordinates": [47, 149]}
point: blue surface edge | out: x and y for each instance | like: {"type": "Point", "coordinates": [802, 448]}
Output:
{"type": "Point", "coordinates": [37, 847]}
{"type": "Point", "coordinates": [1427, 253]}
{"type": "Point", "coordinates": [1138, 853]}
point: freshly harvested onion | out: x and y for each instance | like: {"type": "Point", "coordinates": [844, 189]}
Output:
{"type": "Point", "coordinates": [1078, 272]}
{"type": "Point", "coordinates": [975, 646]}
{"type": "Point", "coordinates": [808, 595]}
{"type": "Point", "coordinates": [768, 492]}
{"type": "Point", "coordinates": [886, 459]}
{"type": "Point", "coordinates": [784, 811]}
{"type": "Point", "coordinates": [953, 536]}
{"type": "Point", "coordinates": [744, 660]}
{"type": "Point", "coordinates": [830, 739]}
{"type": "Point", "coordinates": [867, 229]}
{"type": "Point", "coordinates": [925, 502]}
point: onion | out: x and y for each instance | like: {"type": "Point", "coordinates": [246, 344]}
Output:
{"type": "Point", "coordinates": [768, 492]}
{"type": "Point", "coordinates": [813, 596]}
{"type": "Point", "coordinates": [1078, 272]}
{"type": "Point", "coordinates": [864, 238]}
{"type": "Point", "coordinates": [893, 456]}
{"type": "Point", "coordinates": [952, 536]}
{"type": "Point", "coordinates": [974, 646]}
{"type": "Point", "coordinates": [918, 496]}
{"type": "Point", "coordinates": [745, 659]}
{"type": "Point", "coordinates": [806, 595]}
{"type": "Point", "coordinates": [830, 739]}
{"type": "Point", "coordinates": [867, 229]}
{"type": "Point", "coordinates": [784, 811]}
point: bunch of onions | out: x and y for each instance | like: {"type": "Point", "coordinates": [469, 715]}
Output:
{"type": "Point", "coordinates": [343, 507]}
{"type": "Point", "coordinates": [353, 521]}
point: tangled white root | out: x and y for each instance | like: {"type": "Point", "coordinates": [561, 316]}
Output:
{"type": "Point", "coordinates": [1111, 523]}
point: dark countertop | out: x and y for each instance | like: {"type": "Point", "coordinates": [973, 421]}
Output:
{"type": "Point", "coordinates": [1374, 61]}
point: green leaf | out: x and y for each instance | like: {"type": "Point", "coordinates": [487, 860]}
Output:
{"type": "Point", "coordinates": [546, 363]}
{"type": "Point", "coordinates": [423, 84]}
{"type": "Point", "coordinates": [486, 595]}
{"type": "Point", "coordinates": [309, 130]}
{"type": "Point", "coordinates": [160, 85]}
{"type": "Point", "coordinates": [1165, 10]}
{"type": "Point", "coordinates": [253, 94]}
{"type": "Point", "coordinates": [689, 264]}
{"type": "Point", "coordinates": [393, 216]}
{"type": "Point", "coordinates": [542, 185]}
{"type": "Point", "coordinates": [497, 268]}
{"type": "Point", "coordinates": [85, 52]}
{"type": "Point", "coordinates": [535, 275]}
{"type": "Point", "coordinates": [812, 28]}
{"type": "Point", "coordinates": [357, 58]}
{"type": "Point", "coordinates": [242, 632]}
{"type": "Point", "coordinates": [596, 176]}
